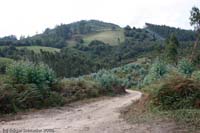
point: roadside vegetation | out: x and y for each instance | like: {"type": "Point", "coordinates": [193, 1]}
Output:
{"type": "Point", "coordinates": [171, 89]}
{"type": "Point", "coordinates": [26, 85]}
{"type": "Point", "coordinates": [170, 97]}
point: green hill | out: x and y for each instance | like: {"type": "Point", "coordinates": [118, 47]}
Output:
{"type": "Point", "coordinates": [73, 33]}
{"type": "Point", "coordinates": [164, 31]}
{"type": "Point", "coordinates": [61, 35]}
{"type": "Point", "coordinates": [85, 31]}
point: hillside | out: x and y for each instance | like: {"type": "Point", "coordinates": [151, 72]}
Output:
{"type": "Point", "coordinates": [164, 31]}
{"type": "Point", "coordinates": [83, 32]}
{"type": "Point", "coordinates": [74, 33]}
{"type": "Point", "coordinates": [110, 37]}
{"type": "Point", "coordinates": [88, 46]}
{"type": "Point", "coordinates": [63, 34]}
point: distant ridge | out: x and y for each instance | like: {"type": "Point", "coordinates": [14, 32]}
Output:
{"type": "Point", "coordinates": [165, 31]}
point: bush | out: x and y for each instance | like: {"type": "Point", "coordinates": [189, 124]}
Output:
{"type": "Point", "coordinates": [18, 72]}
{"type": "Point", "coordinates": [7, 99]}
{"type": "Point", "coordinates": [110, 83]}
{"type": "Point", "coordinates": [76, 89]}
{"type": "Point", "coordinates": [185, 67]}
{"type": "Point", "coordinates": [14, 98]}
{"type": "Point", "coordinates": [157, 71]}
{"type": "Point", "coordinates": [30, 87]}
{"type": "Point", "coordinates": [196, 75]}
{"type": "Point", "coordinates": [29, 73]}
{"type": "Point", "coordinates": [54, 99]}
{"type": "Point", "coordinates": [4, 63]}
{"type": "Point", "coordinates": [132, 74]}
{"type": "Point", "coordinates": [178, 93]}
{"type": "Point", "coordinates": [28, 96]}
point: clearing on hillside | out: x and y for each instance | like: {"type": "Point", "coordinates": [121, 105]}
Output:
{"type": "Point", "coordinates": [111, 37]}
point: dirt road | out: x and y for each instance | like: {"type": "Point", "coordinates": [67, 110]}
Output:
{"type": "Point", "coordinates": [95, 117]}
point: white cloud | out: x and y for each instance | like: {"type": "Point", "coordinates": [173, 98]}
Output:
{"type": "Point", "coordinates": [26, 17]}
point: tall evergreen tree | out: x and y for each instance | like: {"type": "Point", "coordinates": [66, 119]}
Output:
{"type": "Point", "coordinates": [171, 51]}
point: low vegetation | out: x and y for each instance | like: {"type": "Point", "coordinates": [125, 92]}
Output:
{"type": "Point", "coordinates": [174, 96]}
{"type": "Point", "coordinates": [77, 89]}
{"type": "Point", "coordinates": [27, 85]}
{"type": "Point", "coordinates": [178, 93]}
{"type": "Point", "coordinates": [38, 49]}
{"type": "Point", "coordinates": [4, 62]}
{"type": "Point", "coordinates": [109, 37]}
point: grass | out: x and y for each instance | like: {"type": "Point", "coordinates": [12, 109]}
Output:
{"type": "Point", "coordinates": [3, 78]}
{"type": "Point", "coordinates": [107, 36]}
{"type": "Point", "coordinates": [110, 37]}
{"type": "Point", "coordinates": [145, 112]}
{"type": "Point", "coordinates": [71, 43]}
{"type": "Point", "coordinates": [2, 47]}
{"type": "Point", "coordinates": [37, 49]}
{"type": "Point", "coordinates": [5, 59]}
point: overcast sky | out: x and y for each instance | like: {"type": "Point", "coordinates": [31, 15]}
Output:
{"type": "Point", "coordinates": [27, 17]}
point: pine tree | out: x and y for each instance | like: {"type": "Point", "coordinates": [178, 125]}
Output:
{"type": "Point", "coordinates": [171, 51]}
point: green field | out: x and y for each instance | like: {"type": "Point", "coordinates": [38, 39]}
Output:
{"type": "Point", "coordinates": [107, 36]}
{"type": "Point", "coordinates": [110, 37]}
{"type": "Point", "coordinates": [2, 47]}
{"type": "Point", "coordinates": [2, 59]}
{"type": "Point", "coordinates": [38, 48]}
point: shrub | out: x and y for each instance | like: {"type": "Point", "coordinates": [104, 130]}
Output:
{"type": "Point", "coordinates": [4, 63]}
{"type": "Point", "coordinates": [76, 89]}
{"type": "Point", "coordinates": [157, 71]}
{"type": "Point", "coordinates": [18, 72]}
{"type": "Point", "coordinates": [27, 72]}
{"type": "Point", "coordinates": [54, 99]}
{"type": "Point", "coordinates": [41, 75]}
{"type": "Point", "coordinates": [185, 67]}
{"type": "Point", "coordinates": [30, 88]}
{"type": "Point", "coordinates": [178, 93]}
{"type": "Point", "coordinates": [14, 98]}
{"type": "Point", "coordinates": [110, 83]}
{"type": "Point", "coordinates": [28, 96]}
{"type": "Point", "coordinates": [196, 75]}
{"type": "Point", "coordinates": [7, 99]}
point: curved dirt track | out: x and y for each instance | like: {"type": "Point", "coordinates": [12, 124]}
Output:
{"type": "Point", "coordinates": [96, 117]}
